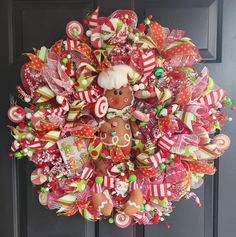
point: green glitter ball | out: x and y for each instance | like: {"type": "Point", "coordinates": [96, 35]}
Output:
{"type": "Point", "coordinates": [43, 189]}
{"type": "Point", "coordinates": [158, 109]}
{"type": "Point", "coordinates": [158, 71]}
{"type": "Point", "coordinates": [132, 178]}
{"type": "Point", "coordinates": [147, 21]}
{"type": "Point", "coordinates": [65, 60]}
{"type": "Point", "coordinates": [228, 101]}
{"type": "Point", "coordinates": [162, 166]}
{"type": "Point", "coordinates": [111, 220]}
{"type": "Point", "coordinates": [143, 124]}
{"type": "Point", "coordinates": [142, 208]}
{"type": "Point", "coordinates": [75, 33]}
{"type": "Point", "coordinates": [18, 155]}
{"type": "Point", "coordinates": [99, 179]}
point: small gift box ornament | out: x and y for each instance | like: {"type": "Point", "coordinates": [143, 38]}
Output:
{"type": "Point", "coordinates": [74, 153]}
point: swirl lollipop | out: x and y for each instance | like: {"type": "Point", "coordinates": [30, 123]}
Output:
{"type": "Point", "coordinates": [122, 220]}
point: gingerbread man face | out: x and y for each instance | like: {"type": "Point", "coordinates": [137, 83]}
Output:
{"type": "Point", "coordinates": [119, 98]}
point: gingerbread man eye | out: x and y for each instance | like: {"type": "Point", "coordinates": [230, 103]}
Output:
{"type": "Point", "coordinates": [115, 92]}
{"type": "Point", "coordinates": [120, 92]}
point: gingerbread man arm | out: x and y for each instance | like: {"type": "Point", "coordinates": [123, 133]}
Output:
{"type": "Point", "coordinates": [135, 130]}
{"type": "Point", "coordinates": [104, 126]}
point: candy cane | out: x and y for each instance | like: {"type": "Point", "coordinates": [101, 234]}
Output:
{"type": "Point", "coordinates": [196, 198]}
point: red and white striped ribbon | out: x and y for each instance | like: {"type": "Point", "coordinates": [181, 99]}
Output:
{"type": "Point", "coordinates": [148, 61]}
{"type": "Point", "coordinates": [156, 159]}
{"type": "Point", "coordinates": [35, 144]}
{"type": "Point", "coordinates": [87, 173]}
{"type": "Point", "coordinates": [15, 146]}
{"type": "Point", "coordinates": [70, 44]}
{"type": "Point", "coordinates": [93, 21]}
{"type": "Point", "coordinates": [55, 112]}
{"type": "Point", "coordinates": [109, 182]}
{"type": "Point", "coordinates": [213, 97]}
{"type": "Point", "coordinates": [159, 190]}
{"type": "Point", "coordinates": [97, 188]}
{"type": "Point", "coordinates": [133, 186]}
{"type": "Point", "coordinates": [165, 143]}
{"type": "Point", "coordinates": [87, 96]}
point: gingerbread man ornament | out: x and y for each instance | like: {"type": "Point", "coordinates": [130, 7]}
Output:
{"type": "Point", "coordinates": [116, 129]}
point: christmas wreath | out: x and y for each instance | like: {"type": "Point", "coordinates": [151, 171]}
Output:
{"type": "Point", "coordinates": [118, 121]}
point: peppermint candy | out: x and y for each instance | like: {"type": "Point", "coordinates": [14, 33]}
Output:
{"type": "Point", "coordinates": [122, 220]}
{"type": "Point", "coordinates": [16, 114]}
{"type": "Point", "coordinates": [101, 106]}
{"type": "Point", "coordinates": [37, 177]}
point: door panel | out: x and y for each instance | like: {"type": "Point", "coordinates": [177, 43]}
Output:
{"type": "Point", "coordinates": [28, 24]}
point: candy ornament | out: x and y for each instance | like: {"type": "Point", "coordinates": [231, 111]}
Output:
{"type": "Point", "coordinates": [118, 123]}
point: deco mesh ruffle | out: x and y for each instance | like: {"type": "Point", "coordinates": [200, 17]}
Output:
{"type": "Point", "coordinates": [117, 121]}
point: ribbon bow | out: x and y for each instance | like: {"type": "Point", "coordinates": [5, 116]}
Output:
{"type": "Point", "coordinates": [123, 113]}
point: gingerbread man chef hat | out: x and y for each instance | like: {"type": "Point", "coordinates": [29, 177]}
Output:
{"type": "Point", "coordinates": [115, 78]}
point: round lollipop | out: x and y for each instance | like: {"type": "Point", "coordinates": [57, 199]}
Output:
{"type": "Point", "coordinates": [16, 114]}
{"type": "Point", "coordinates": [222, 141]}
{"type": "Point", "coordinates": [74, 30]}
{"type": "Point", "coordinates": [37, 177]}
{"type": "Point", "coordinates": [43, 198]}
{"type": "Point", "coordinates": [101, 106]}
{"type": "Point", "coordinates": [122, 220]}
